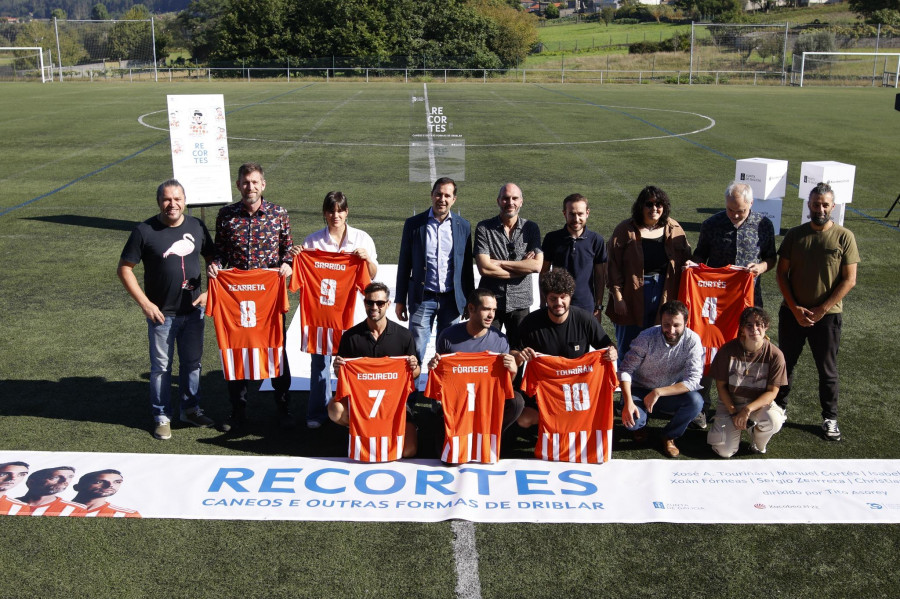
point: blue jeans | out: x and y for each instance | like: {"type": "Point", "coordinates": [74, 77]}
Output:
{"type": "Point", "coordinates": [683, 408]}
{"type": "Point", "coordinates": [319, 388]}
{"type": "Point", "coordinates": [625, 334]}
{"type": "Point", "coordinates": [187, 332]}
{"type": "Point", "coordinates": [422, 316]}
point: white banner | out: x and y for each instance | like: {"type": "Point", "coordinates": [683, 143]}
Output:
{"type": "Point", "coordinates": [629, 491]}
{"type": "Point", "coordinates": [199, 141]}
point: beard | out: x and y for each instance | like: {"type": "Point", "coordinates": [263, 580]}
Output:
{"type": "Point", "coordinates": [820, 219]}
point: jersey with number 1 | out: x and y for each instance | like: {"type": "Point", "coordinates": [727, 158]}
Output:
{"type": "Point", "coordinates": [248, 307]}
{"type": "Point", "coordinates": [715, 299]}
{"type": "Point", "coordinates": [329, 282]}
{"type": "Point", "coordinates": [377, 389]}
{"type": "Point", "coordinates": [574, 398]}
{"type": "Point", "coordinates": [472, 389]}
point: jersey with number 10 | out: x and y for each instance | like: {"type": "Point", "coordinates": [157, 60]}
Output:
{"type": "Point", "coordinates": [377, 388]}
{"type": "Point", "coordinates": [329, 282]}
{"type": "Point", "coordinates": [715, 298]}
{"type": "Point", "coordinates": [248, 307]}
{"type": "Point", "coordinates": [472, 389]}
{"type": "Point", "coordinates": [574, 398]}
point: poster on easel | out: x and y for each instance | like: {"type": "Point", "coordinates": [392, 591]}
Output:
{"type": "Point", "coordinates": [199, 142]}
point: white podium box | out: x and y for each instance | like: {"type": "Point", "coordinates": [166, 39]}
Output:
{"type": "Point", "coordinates": [837, 215]}
{"type": "Point", "coordinates": [770, 209]}
{"type": "Point", "coordinates": [767, 177]}
{"type": "Point", "coordinates": [837, 174]}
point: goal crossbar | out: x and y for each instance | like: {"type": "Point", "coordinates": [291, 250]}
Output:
{"type": "Point", "coordinates": [40, 56]}
{"type": "Point", "coordinates": [875, 54]}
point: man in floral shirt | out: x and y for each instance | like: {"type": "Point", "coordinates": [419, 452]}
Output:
{"type": "Point", "coordinates": [254, 233]}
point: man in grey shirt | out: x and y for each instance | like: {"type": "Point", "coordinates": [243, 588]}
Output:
{"type": "Point", "coordinates": [661, 372]}
{"type": "Point", "coordinates": [507, 250]}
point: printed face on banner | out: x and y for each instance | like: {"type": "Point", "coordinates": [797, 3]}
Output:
{"type": "Point", "coordinates": [11, 475]}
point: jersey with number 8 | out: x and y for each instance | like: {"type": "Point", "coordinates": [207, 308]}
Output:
{"type": "Point", "coordinates": [377, 389]}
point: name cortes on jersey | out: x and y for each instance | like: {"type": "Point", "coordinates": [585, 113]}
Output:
{"type": "Point", "coordinates": [472, 389]}
{"type": "Point", "coordinates": [329, 284]}
{"type": "Point", "coordinates": [715, 298]}
{"type": "Point", "coordinates": [247, 307]}
{"type": "Point", "coordinates": [574, 398]}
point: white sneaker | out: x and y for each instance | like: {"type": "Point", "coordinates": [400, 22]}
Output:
{"type": "Point", "coordinates": [831, 430]}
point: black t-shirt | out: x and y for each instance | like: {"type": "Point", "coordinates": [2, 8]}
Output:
{"type": "Point", "coordinates": [570, 339]}
{"type": "Point", "coordinates": [171, 257]}
{"type": "Point", "coordinates": [358, 342]}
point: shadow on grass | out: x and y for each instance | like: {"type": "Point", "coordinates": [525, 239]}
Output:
{"type": "Point", "coordinates": [110, 224]}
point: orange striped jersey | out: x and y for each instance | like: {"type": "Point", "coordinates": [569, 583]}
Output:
{"type": "Point", "coordinates": [57, 507]}
{"type": "Point", "coordinates": [108, 510]}
{"type": "Point", "coordinates": [574, 398]}
{"type": "Point", "coordinates": [248, 307]}
{"type": "Point", "coordinates": [329, 283]}
{"type": "Point", "coordinates": [10, 506]}
{"type": "Point", "coordinates": [715, 298]}
{"type": "Point", "coordinates": [377, 389]}
{"type": "Point", "coordinates": [472, 389]}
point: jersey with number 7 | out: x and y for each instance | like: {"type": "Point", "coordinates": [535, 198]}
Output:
{"type": "Point", "coordinates": [328, 284]}
{"type": "Point", "coordinates": [377, 389]}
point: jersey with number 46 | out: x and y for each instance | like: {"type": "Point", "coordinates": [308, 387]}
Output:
{"type": "Point", "coordinates": [472, 389]}
{"type": "Point", "coordinates": [247, 307]}
{"type": "Point", "coordinates": [377, 389]}
{"type": "Point", "coordinates": [328, 284]}
{"type": "Point", "coordinates": [574, 398]}
{"type": "Point", "coordinates": [715, 299]}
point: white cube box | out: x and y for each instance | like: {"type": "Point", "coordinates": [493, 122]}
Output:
{"type": "Point", "coordinates": [837, 174]}
{"type": "Point", "coordinates": [770, 209]}
{"type": "Point", "coordinates": [837, 214]}
{"type": "Point", "coordinates": [765, 176]}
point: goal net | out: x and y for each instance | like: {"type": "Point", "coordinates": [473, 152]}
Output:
{"type": "Point", "coordinates": [741, 51]}
{"type": "Point", "coordinates": [89, 47]}
{"type": "Point", "coordinates": [23, 64]}
{"type": "Point", "coordinates": [867, 69]}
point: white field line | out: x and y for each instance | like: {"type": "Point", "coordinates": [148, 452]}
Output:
{"type": "Point", "coordinates": [468, 585]}
{"type": "Point", "coordinates": [432, 168]}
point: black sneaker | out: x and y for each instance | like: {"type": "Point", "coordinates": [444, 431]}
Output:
{"type": "Point", "coordinates": [236, 423]}
{"type": "Point", "coordinates": [831, 430]}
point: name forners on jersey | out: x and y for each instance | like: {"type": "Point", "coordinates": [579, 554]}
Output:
{"type": "Point", "coordinates": [247, 287]}
{"type": "Point", "coordinates": [470, 369]}
{"type": "Point", "coordinates": [719, 284]}
{"type": "Point", "coordinates": [377, 376]}
{"type": "Point", "coordinates": [329, 266]}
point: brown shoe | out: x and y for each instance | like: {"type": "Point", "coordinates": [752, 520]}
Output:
{"type": "Point", "coordinates": [669, 448]}
{"type": "Point", "coordinates": [640, 435]}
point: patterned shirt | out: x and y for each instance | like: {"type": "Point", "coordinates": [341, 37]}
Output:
{"type": "Point", "coordinates": [491, 239]}
{"type": "Point", "coordinates": [721, 244]}
{"type": "Point", "coordinates": [652, 363]}
{"type": "Point", "coordinates": [261, 240]}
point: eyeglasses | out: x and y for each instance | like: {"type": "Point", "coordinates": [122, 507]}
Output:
{"type": "Point", "coordinates": [379, 303]}
{"type": "Point", "coordinates": [652, 205]}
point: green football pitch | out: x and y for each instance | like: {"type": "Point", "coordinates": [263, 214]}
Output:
{"type": "Point", "coordinates": [81, 163]}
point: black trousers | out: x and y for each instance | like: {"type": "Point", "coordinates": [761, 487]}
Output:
{"type": "Point", "coordinates": [824, 337]}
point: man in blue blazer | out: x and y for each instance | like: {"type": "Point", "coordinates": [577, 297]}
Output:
{"type": "Point", "coordinates": [434, 272]}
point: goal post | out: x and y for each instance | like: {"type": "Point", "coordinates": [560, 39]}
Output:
{"type": "Point", "coordinates": [87, 47]}
{"type": "Point", "coordinates": [847, 68]}
{"type": "Point", "coordinates": [25, 63]}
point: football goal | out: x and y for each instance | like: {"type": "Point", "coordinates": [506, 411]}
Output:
{"type": "Point", "coordinates": [23, 64]}
{"type": "Point", "coordinates": [846, 69]}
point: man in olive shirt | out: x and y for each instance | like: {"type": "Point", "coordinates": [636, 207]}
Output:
{"type": "Point", "coordinates": [816, 269]}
